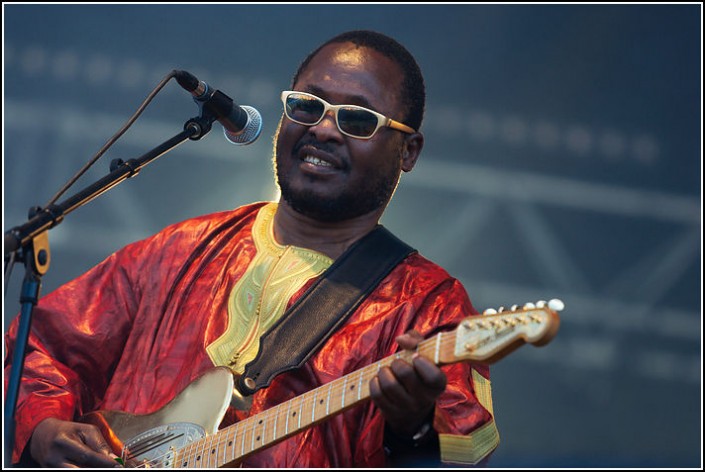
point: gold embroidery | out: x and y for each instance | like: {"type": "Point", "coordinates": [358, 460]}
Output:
{"type": "Point", "coordinates": [483, 390]}
{"type": "Point", "coordinates": [261, 296]}
{"type": "Point", "coordinates": [469, 449]}
{"type": "Point", "coordinates": [472, 448]}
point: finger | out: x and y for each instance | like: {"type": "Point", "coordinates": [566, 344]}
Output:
{"type": "Point", "coordinates": [430, 374]}
{"type": "Point", "coordinates": [81, 448]}
{"type": "Point", "coordinates": [84, 457]}
{"type": "Point", "coordinates": [405, 374]}
{"type": "Point", "coordinates": [68, 465]}
{"type": "Point", "coordinates": [93, 438]}
{"type": "Point", "coordinates": [417, 394]}
{"type": "Point", "coordinates": [382, 401]}
{"type": "Point", "coordinates": [409, 340]}
{"type": "Point", "coordinates": [390, 391]}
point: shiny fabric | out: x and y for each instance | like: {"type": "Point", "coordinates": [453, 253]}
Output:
{"type": "Point", "coordinates": [132, 332]}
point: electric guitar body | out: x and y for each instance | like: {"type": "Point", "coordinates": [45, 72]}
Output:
{"type": "Point", "coordinates": [150, 440]}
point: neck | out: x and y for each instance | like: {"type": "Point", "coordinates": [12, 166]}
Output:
{"type": "Point", "coordinates": [332, 239]}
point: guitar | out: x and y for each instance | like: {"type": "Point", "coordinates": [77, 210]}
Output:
{"type": "Point", "coordinates": [180, 435]}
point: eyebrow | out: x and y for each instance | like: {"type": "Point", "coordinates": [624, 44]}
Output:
{"type": "Point", "coordinates": [352, 99]}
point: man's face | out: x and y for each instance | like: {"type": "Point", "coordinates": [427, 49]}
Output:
{"type": "Point", "coordinates": [325, 174]}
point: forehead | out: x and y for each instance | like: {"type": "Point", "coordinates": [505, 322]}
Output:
{"type": "Point", "coordinates": [348, 73]}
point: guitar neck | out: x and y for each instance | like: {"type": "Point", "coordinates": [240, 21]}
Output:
{"type": "Point", "coordinates": [484, 339]}
{"type": "Point", "coordinates": [234, 443]}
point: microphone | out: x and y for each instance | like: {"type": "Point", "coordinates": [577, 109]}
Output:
{"type": "Point", "coordinates": [241, 124]}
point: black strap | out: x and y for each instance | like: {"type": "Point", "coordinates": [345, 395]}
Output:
{"type": "Point", "coordinates": [303, 329]}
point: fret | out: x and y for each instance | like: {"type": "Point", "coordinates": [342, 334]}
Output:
{"type": "Point", "coordinates": [301, 408]}
{"type": "Point", "coordinates": [342, 392]}
{"type": "Point", "coordinates": [211, 450]}
{"type": "Point", "coordinates": [276, 419]}
{"type": "Point", "coordinates": [359, 385]}
{"type": "Point", "coordinates": [243, 426]}
{"type": "Point", "coordinates": [264, 427]}
{"type": "Point", "coordinates": [217, 451]}
{"type": "Point", "coordinates": [286, 426]}
{"type": "Point", "coordinates": [313, 406]}
{"type": "Point", "coordinates": [184, 456]}
{"type": "Point", "coordinates": [254, 425]}
{"type": "Point", "coordinates": [436, 357]}
{"type": "Point", "coordinates": [196, 455]}
{"type": "Point", "coordinates": [221, 460]}
{"type": "Point", "coordinates": [199, 453]}
{"type": "Point", "coordinates": [232, 442]}
{"type": "Point", "coordinates": [365, 387]}
{"type": "Point", "coordinates": [330, 386]}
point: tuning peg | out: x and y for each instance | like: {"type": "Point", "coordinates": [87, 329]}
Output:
{"type": "Point", "coordinates": [540, 303]}
{"type": "Point", "coordinates": [556, 305]}
{"type": "Point", "coordinates": [490, 311]}
{"type": "Point", "coordinates": [529, 306]}
{"type": "Point", "coordinates": [500, 309]}
{"type": "Point", "coordinates": [514, 307]}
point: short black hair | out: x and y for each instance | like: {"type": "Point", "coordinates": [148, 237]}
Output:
{"type": "Point", "coordinates": [413, 87]}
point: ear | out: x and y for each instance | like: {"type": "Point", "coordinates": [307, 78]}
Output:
{"type": "Point", "coordinates": [411, 150]}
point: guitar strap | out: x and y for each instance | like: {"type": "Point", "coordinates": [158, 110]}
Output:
{"type": "Point", "coordinates": [324, 307]}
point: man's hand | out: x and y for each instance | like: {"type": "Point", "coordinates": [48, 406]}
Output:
{"type": "Point", "coordinates": [57, 443]}
{"type": "Point", "coordinates": [406, 393]}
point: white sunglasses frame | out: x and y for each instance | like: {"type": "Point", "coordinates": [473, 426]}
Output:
{"type": "Point", "coordinates": [382, 121]}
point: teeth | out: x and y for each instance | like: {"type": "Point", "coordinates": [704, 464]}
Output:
{"type": "Point", "coordinates": [316, 161]}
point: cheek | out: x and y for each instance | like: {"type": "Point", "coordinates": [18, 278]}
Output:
{"type": "Point", "coordinates": [376, 157]}
{"type": "Point", "coordinates": [286, 137]}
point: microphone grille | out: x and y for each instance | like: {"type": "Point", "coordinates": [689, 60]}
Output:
{"type": "Point", "coordinates": [250, 132]}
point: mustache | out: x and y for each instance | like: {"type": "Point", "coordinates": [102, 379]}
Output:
{"type": "Point", "coordinates": [313, 142]}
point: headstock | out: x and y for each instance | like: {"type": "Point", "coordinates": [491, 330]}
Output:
{"type": "Point", "coordinates": [496, 333]}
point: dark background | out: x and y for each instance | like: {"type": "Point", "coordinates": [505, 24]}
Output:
{"type": "Point", "coordinates": [563, 159]}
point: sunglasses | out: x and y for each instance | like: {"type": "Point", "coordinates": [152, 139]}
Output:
{"type": "Point", "coordinates": [352, 120]}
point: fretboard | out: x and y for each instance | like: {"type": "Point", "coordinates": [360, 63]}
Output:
{"type": "Point", "coordinates": [234, 443]}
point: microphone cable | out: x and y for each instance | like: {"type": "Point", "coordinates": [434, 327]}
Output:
{"type": "Point", "coordinates": [112, 140]}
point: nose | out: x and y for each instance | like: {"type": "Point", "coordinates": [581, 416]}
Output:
{"type": "Point", "coordinates": [327, 129]}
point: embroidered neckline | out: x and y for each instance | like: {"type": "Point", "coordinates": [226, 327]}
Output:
{"type": "Point", "coordinates": [261, 296]}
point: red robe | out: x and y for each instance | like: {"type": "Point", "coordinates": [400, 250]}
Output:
{"type": "Point", "coordinates": [132, 332]}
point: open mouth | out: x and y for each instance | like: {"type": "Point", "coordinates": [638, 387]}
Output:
{"type": "Point", "coordinates": [317, 161]}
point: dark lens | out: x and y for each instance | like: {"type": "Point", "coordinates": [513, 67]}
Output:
{"type": "Point", "coordinates": [304, 109]}
{"type": "Point", "coordinates": [357, 122]}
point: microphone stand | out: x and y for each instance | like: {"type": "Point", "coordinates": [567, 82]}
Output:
{"type": "Point", "coordinates": [31, 240]}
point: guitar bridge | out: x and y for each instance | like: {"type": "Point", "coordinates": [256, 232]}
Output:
{"type": "Point", "coordinates": [155, 447]}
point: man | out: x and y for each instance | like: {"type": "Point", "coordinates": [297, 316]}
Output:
{"type": "Point", "coordinates": [144, 324]}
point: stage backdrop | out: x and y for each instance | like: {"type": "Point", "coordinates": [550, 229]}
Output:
{"type": "Point", "coordinates": [562, 159]}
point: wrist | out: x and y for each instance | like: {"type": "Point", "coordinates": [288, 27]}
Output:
{"type": "Point", "coordinates": [410, 439]}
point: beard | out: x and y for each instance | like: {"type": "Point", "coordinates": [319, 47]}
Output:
{"type": "Point", "coordinates": [350, 202]}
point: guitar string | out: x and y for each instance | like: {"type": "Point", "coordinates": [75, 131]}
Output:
{"type": "Point", "coordinates": [243, 426]}
{"type": "Point", "coordinates": [270, 417]}
{"type": "Point", "coordinates": [246, 429]}
{"type": "Point", "coordinates": [305, 402]}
